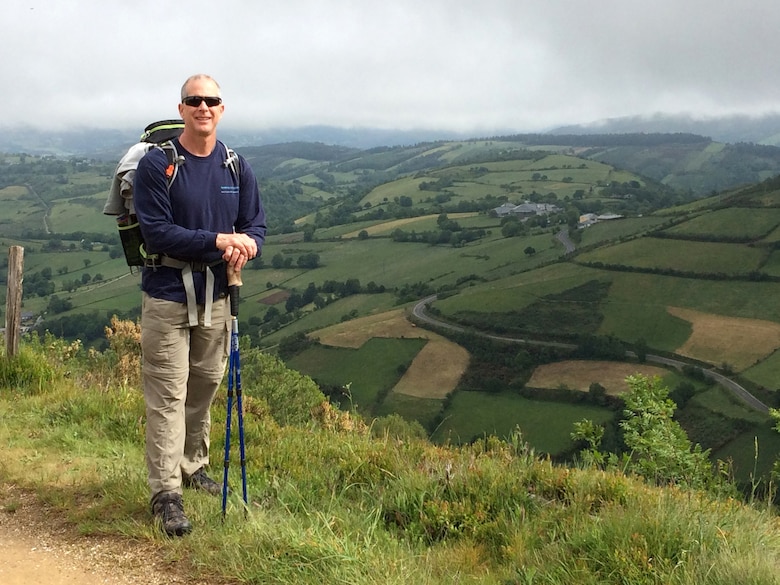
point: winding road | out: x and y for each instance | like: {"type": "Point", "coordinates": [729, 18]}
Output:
{"type": "Point", "coordinates": [46, 208]}
{"type": "Point", "coordinates": [738, 390]}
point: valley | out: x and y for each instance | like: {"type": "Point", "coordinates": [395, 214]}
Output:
{"type": "Point", "coordinates": [359, 237]}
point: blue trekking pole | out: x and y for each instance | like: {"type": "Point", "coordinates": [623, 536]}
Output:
{"type": "Point", "coordinates": [234, 382]}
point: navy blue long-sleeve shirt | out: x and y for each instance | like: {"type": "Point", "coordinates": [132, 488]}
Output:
{"type": "Point", "coordinates": [205, 198]}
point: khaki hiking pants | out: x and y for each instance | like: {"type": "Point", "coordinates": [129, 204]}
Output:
{"type": "Point", "coordinates": [182, 369]}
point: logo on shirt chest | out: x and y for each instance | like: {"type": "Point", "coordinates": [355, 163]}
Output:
{"type": "Point", "coordinates": [229, 189]}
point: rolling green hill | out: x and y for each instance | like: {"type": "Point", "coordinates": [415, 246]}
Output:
{"type": "Point", "coordinates": [359, 232]}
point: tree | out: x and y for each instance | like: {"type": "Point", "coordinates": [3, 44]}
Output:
{"type": "Point", "coordinates": [597, 393]}
{"type": "Point", "coordinates": [512, 228]}
{"type": "Point", "coordinates": [589, 433]}
{"type": "Point", "coordinates": [294, 301]}
{"type": "Point", "coordinates": [640, 347]}
{"type": "Point", "coordinates": [277, 261]}
{"type": "Point", "coordinates": [660, 448]}
{"type": "Point", "coordinates": [271, 314]}
{"type": "Point", "coordinates": [310, 260]}
{"type": "Point", "coordinates": [529, 251]}
{"type": "Point", "coordinates": [309, 293]}
{"type": "Point", "coordinates": [351, 287]}
{"type": "Point", "coordinates": [58, 305]}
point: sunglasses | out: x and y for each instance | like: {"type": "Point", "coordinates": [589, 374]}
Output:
{"type": "Point", "coordinates": [195, 101]}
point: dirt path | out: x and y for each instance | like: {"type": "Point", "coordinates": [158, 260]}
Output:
{"type": "Point", "coordinates": [37, 546]}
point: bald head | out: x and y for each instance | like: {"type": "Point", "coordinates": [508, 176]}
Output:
{"type": "Point", "coordinates": [198, 77]}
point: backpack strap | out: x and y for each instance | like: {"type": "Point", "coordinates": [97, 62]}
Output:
{"type": "Point", "coordinates": [175, 160]}
{"type": "Point", "coordinates": [232, 161]}
{"type": "Point", "coordinates": [187, 269]}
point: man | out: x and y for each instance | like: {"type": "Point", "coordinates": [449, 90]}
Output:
{"type": "Point", "coordinates": [208, 220]}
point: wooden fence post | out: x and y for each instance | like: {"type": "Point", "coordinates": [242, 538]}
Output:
{"type": "Point", "coordinates": [13, 300]}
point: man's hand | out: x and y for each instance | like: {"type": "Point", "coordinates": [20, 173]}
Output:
{"type": "Point", "coordinates": [237, 249]}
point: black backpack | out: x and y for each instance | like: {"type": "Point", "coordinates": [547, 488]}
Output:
{"type": "Point", "coordinates": [120, 198]}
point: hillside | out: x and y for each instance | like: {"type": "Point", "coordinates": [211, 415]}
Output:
{"type": "Point", "coordinates": [334, 501]}
{"type": "Point", "coordinates": [361, 233]}
{"type": "Point", "coordinates": [688, 163]}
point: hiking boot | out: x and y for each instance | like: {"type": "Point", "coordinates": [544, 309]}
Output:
{"type": "Point", "coordinates": [168, 508]}
{"type": "Point", "coordinates": [200, 481]}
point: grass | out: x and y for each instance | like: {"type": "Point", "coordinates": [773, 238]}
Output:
{"type": "Point", "coordinates": [81, 214]}
{"type": "Point", "coordinates": [612, 230]}
{"type": "Point", "coordinates": [766, 373]}
{"type": "Point", "coordinates": [679, 255]}
{"type": "Point", "coordinates": [735, 223]}
{"type": "Point", "coordinates": [546, 425]}
{"type": "Point", "coordinates": [332, 504]}
{"type": "Point", "coordinates": [751, 454]}
{"type": "Point", "coordinates": [370, 372]}
{"type": "Point", "coordinates": [354, 305]}
{"type": "Point", "coordinates": [515, 292]}
{"type": "Point", "coordinates": [633, 321]}
{"type": "Point", "coordinates": [718, 399]}
{"type": "Point", "coordinates": [422, 410]}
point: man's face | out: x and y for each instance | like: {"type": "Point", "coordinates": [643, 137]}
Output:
{"type": "Point", "coordinates": [202, 120]}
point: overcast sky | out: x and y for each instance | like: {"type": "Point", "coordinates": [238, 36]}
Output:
{"type": "Point", "coordinates": [478, 65]}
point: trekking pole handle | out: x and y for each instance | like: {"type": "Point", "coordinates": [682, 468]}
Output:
{"type": "Point", "coordinates": [234, 281]}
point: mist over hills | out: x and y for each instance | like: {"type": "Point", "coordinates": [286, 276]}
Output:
{"type": "Point", "coordinates": [730, 129]}
{"type": "Point", "coordinates": [110, 143]}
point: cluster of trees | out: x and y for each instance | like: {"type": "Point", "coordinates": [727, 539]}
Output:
{"type": "Point", "coordinates": [41, 283]}
{"type": "Point", "coordinates": [319, 297]}
{"type": "Point", "coordinates": [89, 327]}
{"type": "Point", "coordinates": [437, 185]}
{"type": "Point", "coordinates": [449, 232]}
{"type": "Point", "coordinates": [456, 238]}
{"type": "Point", "coordinates": [307, 260]}
{"type": "Point", "coordinates": [513, 226]}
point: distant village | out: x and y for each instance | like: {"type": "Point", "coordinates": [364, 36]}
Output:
{"type": "Point", "coordinates": [28, 322]}
{"type": "Point", "coordinates": [527, 209]}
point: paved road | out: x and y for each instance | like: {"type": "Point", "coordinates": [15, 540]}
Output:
{"type": "Point", "coordinates": [728, 383]}
{"type": "Point", "coordinates": [563, 238]}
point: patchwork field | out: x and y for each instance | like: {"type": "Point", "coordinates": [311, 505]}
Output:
{"type": "Point", "coordinates": [436, 369]}
{"type": "Point", "coordinates": [680, 255]}
{"type": "Point", "coordinates": [733, 222]}
{"type": "Point", "coordinates": [580, 374]}
{"type": "Point", "coordinates": [738, 342]}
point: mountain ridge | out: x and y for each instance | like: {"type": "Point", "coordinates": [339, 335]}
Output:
{"type": "Point", "coordinates": [111, 142]}
{"type": "Point", "coordinates": [764, 129]}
